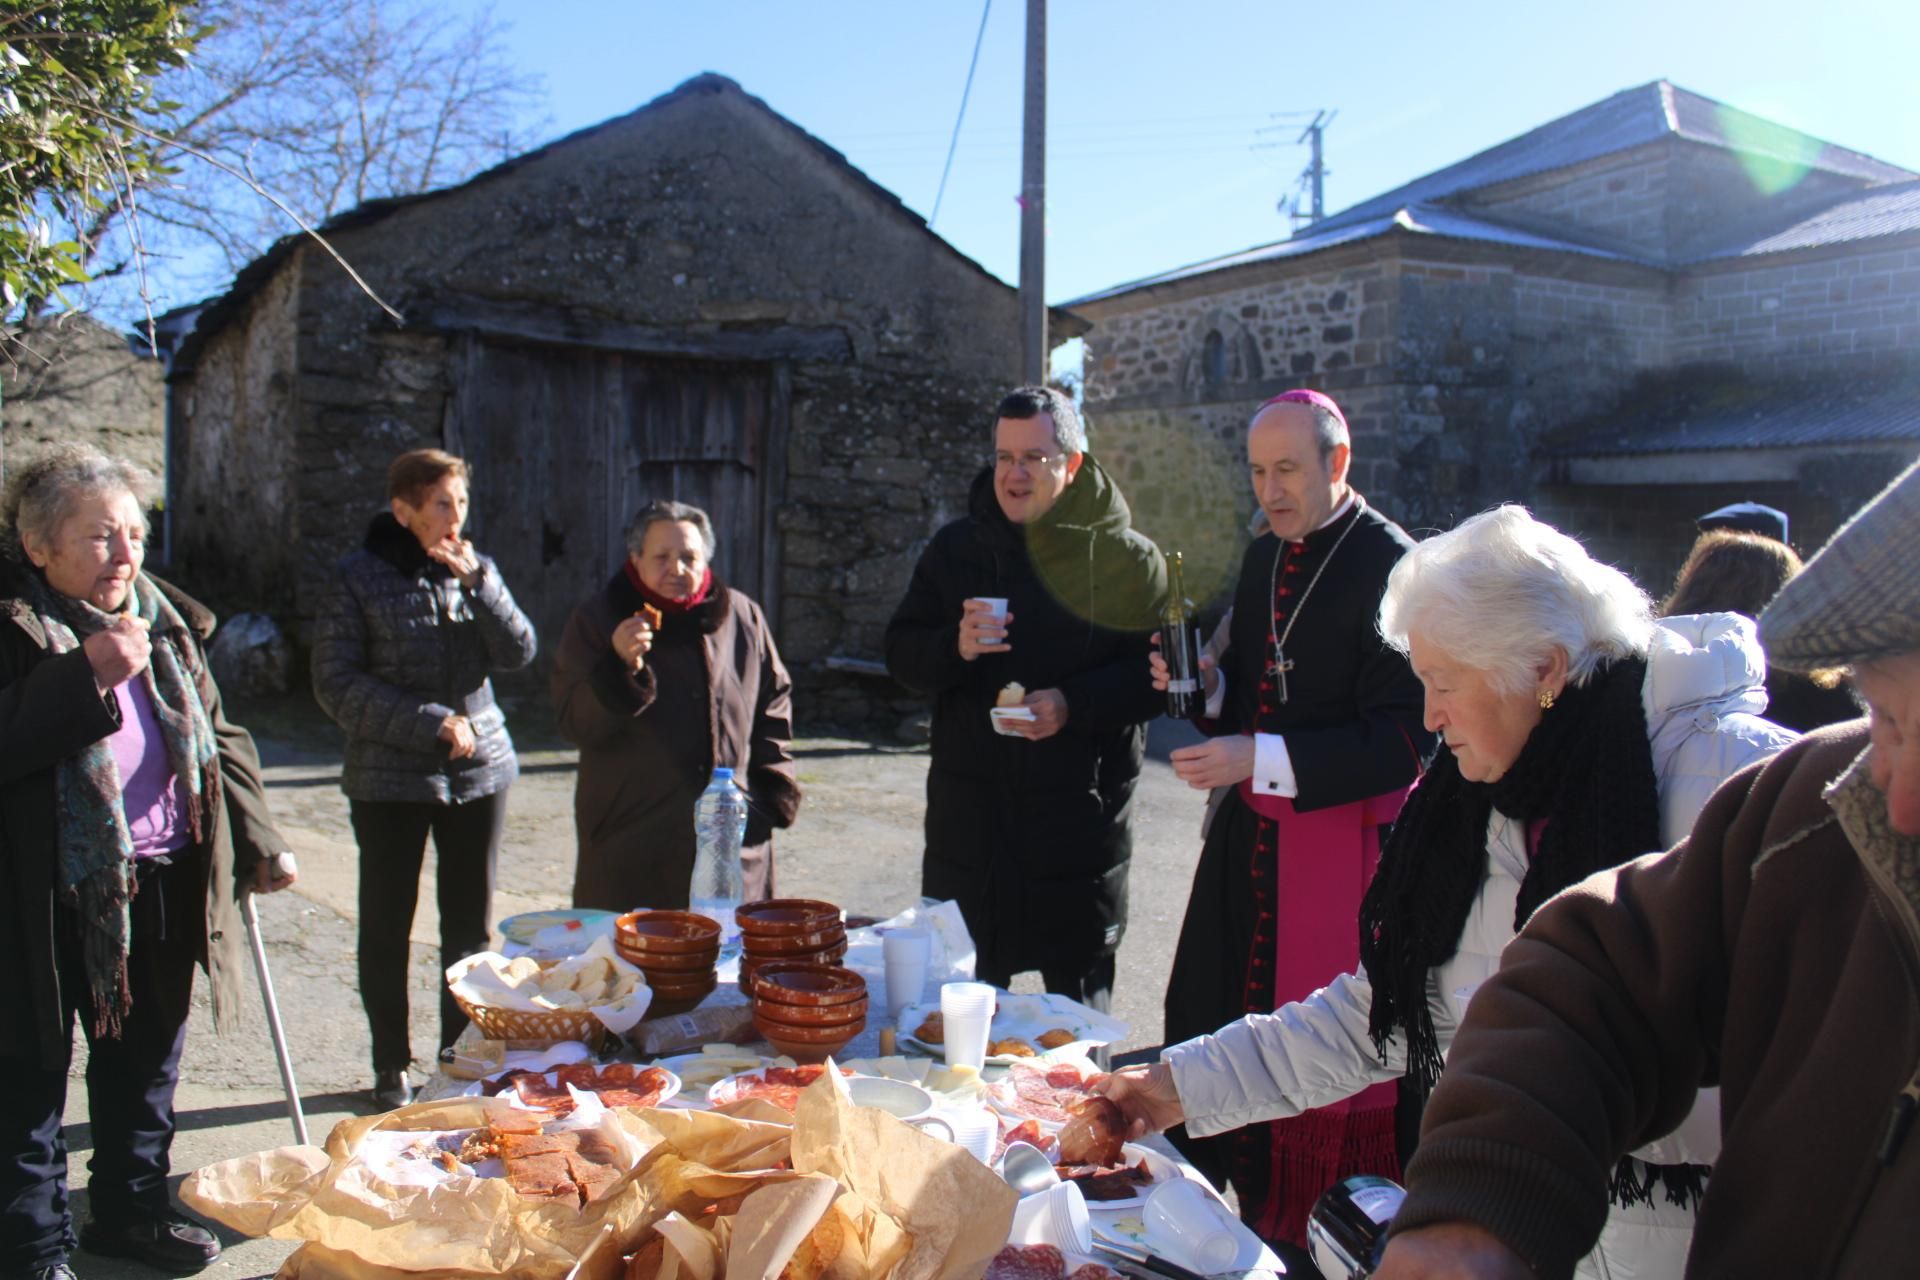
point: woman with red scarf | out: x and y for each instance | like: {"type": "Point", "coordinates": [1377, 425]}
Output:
{"type": "Point", "coordinates": [662, 676]}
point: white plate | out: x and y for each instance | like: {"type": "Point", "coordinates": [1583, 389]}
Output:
{"type": "Point", "coordinates": [724, 1091]}
{"type": "Point", "coordinates": [1027, 1017]}
{"type": "Point", "coordinates": [699, 1072]}
{"type": "Point", "coordinates": [1003, 716]}
{"type": "Point", "coordinates": [1158, 1166]}
{"type": "Point", "coordinates": [552, 1077]}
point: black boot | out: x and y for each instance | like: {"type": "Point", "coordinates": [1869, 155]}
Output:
{"type": "Point", "coordinates": [392, 1089]}
{"type": "Point", "coordinates": [168, 1244]}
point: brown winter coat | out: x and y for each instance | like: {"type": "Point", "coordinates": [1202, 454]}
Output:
{"type": "Point", "coordinates": [49, 710]}
{"type": "Point", "coordinates": [647, 753]}
{"type": "Point", "coordinates": [1776, 953]}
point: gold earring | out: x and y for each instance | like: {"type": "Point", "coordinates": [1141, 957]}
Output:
{"type": "Point", "coordinates": [1546, 699]}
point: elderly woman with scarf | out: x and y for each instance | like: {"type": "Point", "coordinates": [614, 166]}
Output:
{"type": "Point", "coordinates": [663, 675]}
{"type": "Point", "coordinates": [1579, 733]}
{"type": "Point", "coordinates": [132, 819]}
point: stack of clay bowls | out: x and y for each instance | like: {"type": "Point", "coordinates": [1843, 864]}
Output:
{"type": "Point", "coordinates": [801, 929]}
{"type": "Point", "coordinates": [677, 950]}
{"type": "Point", "coordinates": [808, 1011]}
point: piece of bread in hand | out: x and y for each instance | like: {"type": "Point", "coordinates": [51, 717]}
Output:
{"type": "Point", "coordinates": [1012, 696]}
{"type": "Point", "coordinates": [653, 616]}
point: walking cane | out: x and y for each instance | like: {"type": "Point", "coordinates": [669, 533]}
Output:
{"type": "Point", "coordinates": [252, 918]}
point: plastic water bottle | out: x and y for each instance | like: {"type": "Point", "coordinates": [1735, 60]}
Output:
{"type": "Point", "coordinates": [719, 826]}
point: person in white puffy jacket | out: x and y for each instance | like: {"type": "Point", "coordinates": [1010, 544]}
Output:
{"type": "Point", "coordinates": [1579, 733]}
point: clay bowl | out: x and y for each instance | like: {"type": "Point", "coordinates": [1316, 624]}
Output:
{"type": "Point", "coordinates": [769, 945]}
{"type": "Point", "coordinates": [749, 965]}
{"type": "Point", "coordinates": [808, 1044]}
{"type": "Point", "coordinates": [670, 1000]}
{"type": "Point", "coordinates": [786, 916]}
{"type": "Point", "coordinates": [810, 1015]}
{"type": "Point", "coordinates": [666, 932]}
{"type": "Point", "coordinates": [692, 962]}
{"type": "Point", "coordinates": [789, 982]}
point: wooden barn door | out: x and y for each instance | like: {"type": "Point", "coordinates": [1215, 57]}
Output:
{"type": "Point", "coordinates": [567, 442]}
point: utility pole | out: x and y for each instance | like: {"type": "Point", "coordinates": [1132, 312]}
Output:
{"type": "Point", "coordinates": [1316, 174]}
{"type": "Point", "coordinates": [1033, 204]}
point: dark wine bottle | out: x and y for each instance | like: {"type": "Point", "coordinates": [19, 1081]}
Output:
{"type": "Point", "coordinates": [1347, 1231]}
{"type": "Point", "coordinates": [1180, 646]}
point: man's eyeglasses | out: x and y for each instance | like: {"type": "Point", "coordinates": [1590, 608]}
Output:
{"type": "Point", "coordinates": [1032, 460]}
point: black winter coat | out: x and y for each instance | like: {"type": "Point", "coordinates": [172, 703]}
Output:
{"type": "Point", "coordinates": [51, 709]}
{"type": "Point", "coordinates": [1033, 838]}
{"type": "Point", "coordinates": [399, 645]}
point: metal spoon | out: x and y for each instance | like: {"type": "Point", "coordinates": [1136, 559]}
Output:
{"type": "Point", "coordinates": [1026, 1169]}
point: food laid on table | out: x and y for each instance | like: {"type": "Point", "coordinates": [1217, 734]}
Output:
{"type": "Point", "coordinates": [1024, 1026]}
{"type": "Point", "coordinates": [1042, 1262]}
{"type": "Point", "coordinates": [616, 1084]}
{"type": "Point", "coordinates": [776, 1084]}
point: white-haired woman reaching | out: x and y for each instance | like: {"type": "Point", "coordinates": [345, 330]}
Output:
{"type": "Point", "coordinates": [1580, 733]}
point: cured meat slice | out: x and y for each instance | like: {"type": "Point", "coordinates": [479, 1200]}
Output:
{"type": "Point", "coordinates": [536, 1092]}
{"type": "Point", "coordinates": [1048, 1096]}
{"type": "Point", "coordinates": [1028, 1262]}
{"type": "Point", "coordinates": [631, 1088]}
{"type": "Point", "coordinates": [1094, 1134]}
{"type": "Point", "coordinates": [1107, 1184]}
{"type": "Point", "coordinates": [1094, 1271]}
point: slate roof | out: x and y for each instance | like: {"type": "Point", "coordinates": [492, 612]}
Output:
{"type": "Point", "coordinates": [1628, 119]}
{"type": "Point", "coordinates": [1745, 416]}
{"type": "Point", "coordinates": [1422, 220]}
{"type": "Point", "coordinates": [1861, 215]}
{"type": "Point", "coordinates": [1631, 118]}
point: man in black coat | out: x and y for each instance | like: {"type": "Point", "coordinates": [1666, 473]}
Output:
{"type": "Point", "coordinates": [1029, 823]}
{"type": "Point", "coordinates": [1316, 732]}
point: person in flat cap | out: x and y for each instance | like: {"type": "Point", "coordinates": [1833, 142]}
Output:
{"type": "Point", "coordinates": [1775, 953]}
{"type": "Point", "coordinates": [1746, 517]}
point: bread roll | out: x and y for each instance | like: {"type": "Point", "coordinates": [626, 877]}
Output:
{"type": "Point", "coordinates": [1012, 696]}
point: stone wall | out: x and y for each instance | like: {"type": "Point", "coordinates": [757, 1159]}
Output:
{"type": "Point", "coordinates": [69, 377]}
{"type": "Point", "coordinates": [1836, 306]}
{"type": "Point", "coordinates": [1616, 202]}
{"type": "Point", "coordinates": [236, 519]}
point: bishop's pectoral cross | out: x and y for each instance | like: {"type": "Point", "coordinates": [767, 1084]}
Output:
{"type": "Point", "coordinates": [1279, 667]}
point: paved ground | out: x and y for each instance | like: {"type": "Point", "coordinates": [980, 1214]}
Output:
{"type": "Point", "coordinates": [857, 843]}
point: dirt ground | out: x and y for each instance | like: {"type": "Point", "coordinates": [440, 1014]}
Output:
{"type": "Point", "coordinates": [857, 843]}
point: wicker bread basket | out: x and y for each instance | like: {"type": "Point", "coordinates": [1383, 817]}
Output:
{"type": "Point", "coordinates": [546, 1026]}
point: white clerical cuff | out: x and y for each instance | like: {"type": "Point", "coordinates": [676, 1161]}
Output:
{"type": "Point", "coordinates": [1217, 700]}
{"type": "Point", "coordinates": [1273, 767]}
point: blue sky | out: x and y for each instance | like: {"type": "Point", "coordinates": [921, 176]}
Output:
{"type": "Point", "coordinates": [1170, 133]}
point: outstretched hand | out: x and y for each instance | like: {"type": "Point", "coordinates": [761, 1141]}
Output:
{"type": "Point", "coordinates": [1145, 1096]}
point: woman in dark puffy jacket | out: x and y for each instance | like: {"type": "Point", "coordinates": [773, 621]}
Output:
{"type": "Point", "coordinates": [411, 626]}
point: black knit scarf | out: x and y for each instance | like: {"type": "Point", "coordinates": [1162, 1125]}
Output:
{"type": "Point", "coordinates": [1587, 771]}
{"type": "Point", "coordinates": [1586, 768]}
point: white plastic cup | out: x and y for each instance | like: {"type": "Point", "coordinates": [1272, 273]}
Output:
{"type": "Point", "coordinates": [975, 1129]}
{"type": "Point", "coordinates": [907, 951]}
{"type": "Point", "coordinates": [966, 1010]}
{"type": "Point", "coordinates": [1185, 1224]}
{"type": "Point", "coordinates": [996, 605]}
{"type": "Point", "coordinates": [1056, 1216]}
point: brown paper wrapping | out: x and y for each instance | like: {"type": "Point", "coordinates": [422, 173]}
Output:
{"type": "Point", "coordinates": [898, 1203]}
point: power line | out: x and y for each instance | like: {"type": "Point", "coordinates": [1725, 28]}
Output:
{"type": "Point", "coordinates": [965, 93]}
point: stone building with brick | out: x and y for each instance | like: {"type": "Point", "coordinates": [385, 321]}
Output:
{"type": "Point", "coordinates": [1624, 318]}
{"type": "Point", "coordinates": [698, 300]}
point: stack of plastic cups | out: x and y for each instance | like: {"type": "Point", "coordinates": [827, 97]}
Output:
{"type": "Point", "coordinates": [1056, 1216]}
{"type": "Point", "coordinates": [966, 1012]}
{"type": "Point", "coordinates": [974, 1128]}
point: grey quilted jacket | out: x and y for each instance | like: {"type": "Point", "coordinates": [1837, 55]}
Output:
{"type": "Point", "coordinates": [399, 645]}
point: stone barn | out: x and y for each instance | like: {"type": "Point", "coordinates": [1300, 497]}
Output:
{"type": "Point", "coordinates": [698, 300]}
{"type": "Point", "coordinates": [1625, 317]}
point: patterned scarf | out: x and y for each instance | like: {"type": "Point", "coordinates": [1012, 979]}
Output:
{"type": "Point", "coordinates": [95, 846]}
